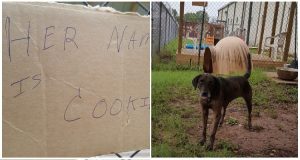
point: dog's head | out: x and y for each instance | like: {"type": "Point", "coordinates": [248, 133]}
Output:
{"type": "Point", "coordinates": [208, 86]}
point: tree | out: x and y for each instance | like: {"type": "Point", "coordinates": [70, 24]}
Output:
{"type": "Point", "coordinates": [174, 11]}
{"type": "Point", "coordinates": [196, 17]}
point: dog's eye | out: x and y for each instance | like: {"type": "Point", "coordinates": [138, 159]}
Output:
{"type": "Point", "coordinates": [201, 80]}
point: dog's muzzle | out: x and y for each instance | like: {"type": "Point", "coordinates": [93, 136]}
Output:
{"type": "Point", "coordinates": [205, 97]}
{"type": "Point", "coordinates": [204, 94]}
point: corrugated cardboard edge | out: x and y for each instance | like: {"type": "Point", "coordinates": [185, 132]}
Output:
{"type": "Point", "coordinates": [79, 7]}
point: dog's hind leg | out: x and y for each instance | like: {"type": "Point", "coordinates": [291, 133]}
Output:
{"type": "Point", "coordinates": [248, 101]}
{"type": "Point", "coordinates": [205, 112]}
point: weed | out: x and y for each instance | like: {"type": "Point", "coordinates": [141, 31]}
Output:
{"type": "Point", "coordinates": [255, 128]}
{"type": "Point", "coordinates": [272, 113]}
{"type": "Point", "coordinates": [256, 112]}
{"type": "Point", "coordinates": [232, 121]}
{"type": "Point", "coordinates": [225, 144]}
{"type": "Point", "coordinates": [162, 150]}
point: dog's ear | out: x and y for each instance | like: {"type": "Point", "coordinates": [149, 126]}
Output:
{"type": "Point", "coordinates": [207, 63]}
{"type": "Point", "coordinates": [195, 81]}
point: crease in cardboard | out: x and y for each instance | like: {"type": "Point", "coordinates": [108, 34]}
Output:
{"type": "Point", "coordinates": [64, 82]}
{"type": "Point", "coordinates": [26, 134]}
{"type": "Point", "coordinates": [74, 86]}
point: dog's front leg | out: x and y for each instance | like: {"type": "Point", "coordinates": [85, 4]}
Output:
{"type": "Point", "coordinates": [205, 117]}
{"type": "Point", "coordinates": [217, 117]}
{"type": "Point", "coordinates": [223, 116]}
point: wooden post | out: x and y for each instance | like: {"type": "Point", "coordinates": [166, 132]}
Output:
{"type": "Point", "coordinates": [180, 30]}
{"type": "Point", "coordinates": [282, 16]}
{"type": "Point", "coordinates": [233, 17]}
{"type": "Point", "coordinates": [201, 36]}
{"type": "Point", "coordinates": [243, 15]}
{"type": "Point", "coordinates": [274, 25]}
{"type": "Point", "coordinates": [262, 27]}
{"type": "Point", "coordinates": [258, 18]}
{"type": "Point", "coordinates": [227, 22]}
{"type": "Point", "coordinates": [289, 32]}
{"type": "Point", "coordinates": [249, 23]}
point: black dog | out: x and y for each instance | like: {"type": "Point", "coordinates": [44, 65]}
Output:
{"type": "Point", "coordinates": [217, 92]}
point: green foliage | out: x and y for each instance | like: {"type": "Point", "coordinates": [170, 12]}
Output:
{"type": "Point", "coordinates": [172, 46]}
{"type": "Point", "coordinates": [165, 60]}
{"type": "Point", "coordinates": [196, 17]}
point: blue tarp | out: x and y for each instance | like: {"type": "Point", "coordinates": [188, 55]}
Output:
{"type": "Point", "coordinates": [191, 46]}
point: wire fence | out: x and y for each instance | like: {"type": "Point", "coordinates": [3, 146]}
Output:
{"type": "Point", "coordinates": [254, 22]}
{"type": "Point", "coordinates": [164, 25]}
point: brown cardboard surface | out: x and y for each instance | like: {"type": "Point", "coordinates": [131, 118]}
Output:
{"type": "Point", "coordinates": [82, 94]}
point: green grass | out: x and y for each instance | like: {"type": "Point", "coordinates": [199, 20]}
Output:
{"type": "Point", "coordinates": [172, 66]}
{"type": "Point", "coordinates": [172, 46]}
{"type": "Point", "coordinates": [232, 121]}
{"type": "Point", "coordinates": [175, 117]}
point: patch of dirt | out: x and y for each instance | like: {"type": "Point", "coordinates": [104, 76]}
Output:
{"type": "Point", "coordinates": [270, 137]}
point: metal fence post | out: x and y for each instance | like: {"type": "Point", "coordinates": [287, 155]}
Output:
{"type": "Point", "coordinates": [166, 21]}
{"type": "Point", "coordinates": [159, 33]}
{"type": "Point", "coordinates": [227, 22]}
{"type": "Point", "coordinates": [169, 27]}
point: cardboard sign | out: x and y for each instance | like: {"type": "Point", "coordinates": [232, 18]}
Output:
{"type": "Point", "coordinates": [75, 81]}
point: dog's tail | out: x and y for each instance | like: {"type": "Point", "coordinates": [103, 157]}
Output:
{"type": "Point", "coordinates": [249, 67]}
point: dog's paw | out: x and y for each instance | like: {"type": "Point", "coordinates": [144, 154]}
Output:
{"type": "Point", "coordinates": [220, 125]}
{"type": "Point", "coordinates": [202, 142]}
{"type": "Point", "coordinates": [250, 127]}
{"type": "Point", "coordinates": [209, 147]}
